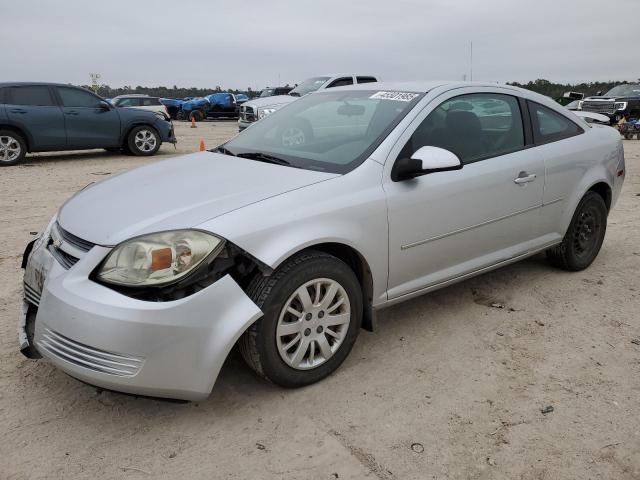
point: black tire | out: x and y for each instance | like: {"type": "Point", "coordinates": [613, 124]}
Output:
{"type": "Point", "coordinates": [140, 148]}
{"type": "Point", "coordinates": [180, 115]}
{"type": "Point", "coordinates": [196, 115]}
{"type": "Point", "coordinates": [258, 345]}
{"type": "Point", "coordinates": [628, 136]}
{"type": "Point", "coordinates": [584, 237]}
{"type": "Point", "coordinates": [9, 141]}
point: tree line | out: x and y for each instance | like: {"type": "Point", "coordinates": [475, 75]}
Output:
{"type": "Point", "coordinates": [542, 86]}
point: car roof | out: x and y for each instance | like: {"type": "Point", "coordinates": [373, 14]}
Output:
{"type": "Point", "coordinates": [424, 86]}
{"type": "Point", "coordinates": [126, 95]}
{"type": "Point", "coordinates": [32, 84]}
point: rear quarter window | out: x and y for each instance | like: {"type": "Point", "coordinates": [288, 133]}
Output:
{"type": "Point", "coordinates": [32, 95]}
{"type": "Point", "coordinates": [550, 126]}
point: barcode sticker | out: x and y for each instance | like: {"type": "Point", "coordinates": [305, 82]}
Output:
{"type": "Point", "coordinates": [397, 96]}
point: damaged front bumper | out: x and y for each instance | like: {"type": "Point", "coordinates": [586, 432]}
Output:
{"type": "Point", "coordinates": [171, 349]}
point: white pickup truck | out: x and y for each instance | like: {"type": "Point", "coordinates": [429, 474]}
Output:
{"type": "Point", "coordinates": [261, 107]}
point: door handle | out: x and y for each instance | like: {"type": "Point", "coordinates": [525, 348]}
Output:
{"type": "Point", "coordinates": [72, 112]}
{"type": "Point", "coordinates": [17, 110]}
{"type": "Point", "coordinates": [524, 177]}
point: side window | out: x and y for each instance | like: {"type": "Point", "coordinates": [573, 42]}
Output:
{"type": "Point", "coordinates": [2, 94]}
{"type": "Point", "coordinates": [123, 102]}
{"type": "Point", "coordinates": [473, 126]}
{"type": "Point", "coordinates": [74, 97]}
{"type": "Point", "coordinates": [148, 102]}
{"type": "Point", "coordinates": [550, 126]}
{"type": "Point", "coordinates": [341, 82]}
{"type": "Point", "coordinates": [366, 79]}
{"type": "Point", "coordinates": [30, 95]}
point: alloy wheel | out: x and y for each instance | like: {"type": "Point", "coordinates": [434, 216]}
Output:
{"type": "Point", "coordinates": [145, 140]}
{"type": "Point", "coordinates": [313, 323]}
{"type": "Point", "coordinates": [10, 149]}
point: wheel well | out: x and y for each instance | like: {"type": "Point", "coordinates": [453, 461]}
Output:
{"type": "Point", "coordinates": [604, 191]}
{"type": "Point", "coordinates": [360, 267]}
{"type": "Point", "coordinates": [18, 131]}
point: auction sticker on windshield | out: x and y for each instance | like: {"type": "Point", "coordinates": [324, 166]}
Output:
{"type": "Point", "coordinates": [398, 96]}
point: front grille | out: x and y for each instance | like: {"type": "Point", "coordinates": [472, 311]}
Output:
{"type": "Point", "coordinates": [599, 107]}
{"type": "Point", "coordinates": [71, 239]}
{"type": "Point", "coordinates": [63, 258]}
{"type": "Point", "coordinates": [247, 113]}
{"type": "Point", "coordinates": [88, 357]}
{"type": "Point", "coordinates": [31, 295]}
{"type": "Point", "coordinates": [66, 248]}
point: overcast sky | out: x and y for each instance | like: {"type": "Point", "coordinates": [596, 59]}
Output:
{"type": "Point", "coordinates": [236, 44]}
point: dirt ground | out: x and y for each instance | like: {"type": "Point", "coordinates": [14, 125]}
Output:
{"type": "Point", "coordinates": [450, 386]}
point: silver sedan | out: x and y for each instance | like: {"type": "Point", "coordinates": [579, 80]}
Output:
{"type": "Point", "coordinates": [287, 239]}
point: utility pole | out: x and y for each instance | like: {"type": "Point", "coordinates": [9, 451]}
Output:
{"type": "Point", "coordinates": [471, 62]}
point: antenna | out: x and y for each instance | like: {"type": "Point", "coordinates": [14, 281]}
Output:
{"type": "Point", "coordinates": [471, 62]}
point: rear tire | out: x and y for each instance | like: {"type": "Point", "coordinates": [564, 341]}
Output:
{"type": "Point", "coordinates": [325, 326]}
{"type": "Point", "coordinates": [584, 237]}
{"type": "Point", "coordinates": [196, 115]}
{"type": "Point", "coordinates": [143, 141]}
{"type": "Point", "coordinates": [13, 148]}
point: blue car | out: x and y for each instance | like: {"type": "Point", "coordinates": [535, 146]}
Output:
{"type": "Point", "coordinates": [222, 104]}
{"type": "Point", "coordinates": [45, 117]}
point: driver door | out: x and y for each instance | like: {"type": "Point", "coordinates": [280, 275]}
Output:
{"type": "Point", "coordinates": [447, 224]}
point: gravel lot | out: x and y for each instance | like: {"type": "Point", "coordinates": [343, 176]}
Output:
{"type": "Point", "coordinates": [451, 385]}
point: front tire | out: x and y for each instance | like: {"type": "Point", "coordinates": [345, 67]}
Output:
{"type": "Point", "coordinates": [143, 141]}
{"type": "Point", "coordinates": [312, 309]}
{"type": "Point", "coordinates": [584, 237]}
{"type": "Point", "coordinates": [13, 148]}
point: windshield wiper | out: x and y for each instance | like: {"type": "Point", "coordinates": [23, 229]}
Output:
{"type": "Point", "coordinates": [294, 94]}
{"type": "Point", "coordinates": [225, 151]}
{"type": "Point", "coordinates": [264, 157]}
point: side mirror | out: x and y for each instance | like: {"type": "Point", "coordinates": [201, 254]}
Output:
{"type": "Point", "coordinates": [104, 105]}
{"type": "Point", "coordinates": [425, 160]}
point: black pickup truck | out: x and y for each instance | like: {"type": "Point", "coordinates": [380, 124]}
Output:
{"type": "Point", "coordinates": [622, 101]}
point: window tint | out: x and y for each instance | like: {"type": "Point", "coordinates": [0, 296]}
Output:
{"type": "Point", "coordinates": [2, 94]}
{"type": "Point", "coordinates": [32, 95]}
{"type": "Point", "coordinates": [341, 82]}
{"type": "Point", "coordinates": [473, 126]}
{"type": "Point", "coordinates": [550, 126]}
{"type": "Point", "coordinates": [366, 79]}
{"type": "Point", "coordinates": [73, 97]}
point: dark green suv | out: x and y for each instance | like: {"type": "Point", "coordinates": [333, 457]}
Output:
{"type": "Point", "coordinates": [44, 117]}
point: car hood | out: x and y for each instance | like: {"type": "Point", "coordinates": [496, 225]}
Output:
{"type": "Point", "coordinates": [273, 100]}
{"type": "Point", "coordinates": [617, 99]}
{"type": "Point", "coordinates": [174, 194]}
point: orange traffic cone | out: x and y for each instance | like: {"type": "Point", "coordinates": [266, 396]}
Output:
{"type": "Point", "coordinates": [202, 147]}
{"type": "Point", "coordinates": [193, 122]}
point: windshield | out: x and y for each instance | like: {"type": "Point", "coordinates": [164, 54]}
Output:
{"type": "Point", "coordinates": [624, 91]}
{"type": "Point", "coordinates": [332, 131]}
{"type": "Point", "coordinates": [267, 92]}
{"type": "Point", "coordinates": [308, 86]}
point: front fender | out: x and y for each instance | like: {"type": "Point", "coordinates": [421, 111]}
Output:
{"type": "Point", "coordinates": [349, 210]}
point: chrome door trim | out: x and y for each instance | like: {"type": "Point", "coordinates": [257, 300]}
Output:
{"type": "Point", "coordinates": [466, 229]}
{"type": "Point", "coordinates": [488, 222]}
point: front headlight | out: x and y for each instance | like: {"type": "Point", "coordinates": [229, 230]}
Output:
{"type": "Point", "coordinates": [620, 105]}
{"type": "Point", "coordinates": [158, 258]}
{"type": "Point", "coordinates": [263, 112]}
